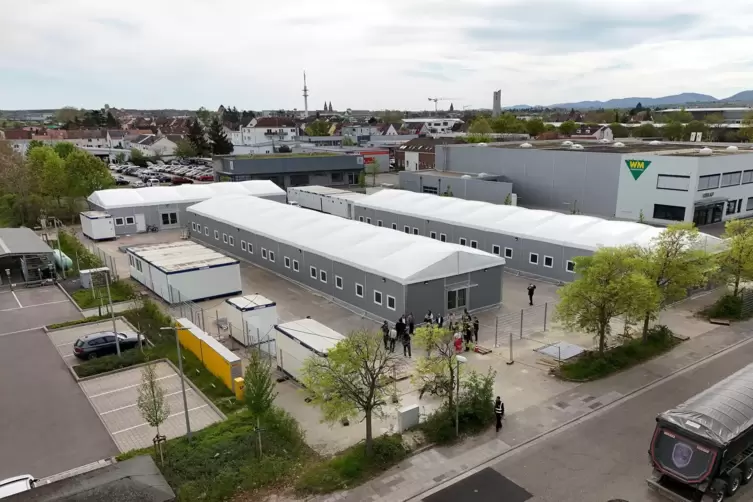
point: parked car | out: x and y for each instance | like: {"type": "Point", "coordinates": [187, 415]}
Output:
{"type": "Point", "coordinates": [139, 184]}
{"type": "Point", "coordinates": [121, 181]}
{"type": "Point", "coordinates": [16, 484]}
{"type": "Point", "coordinates": [103, 344]}
{"type": "Point", "coordinates": [152, 182]}
{"type": "Point", "coordinates": [179, 180]}
{"type": "Point", "coordinates": [206, 177]}
{"type": "Point", "coordinates": [165, 178]}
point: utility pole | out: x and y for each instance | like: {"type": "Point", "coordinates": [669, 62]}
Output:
{"type": "Point", "coordinates": [182, 380]}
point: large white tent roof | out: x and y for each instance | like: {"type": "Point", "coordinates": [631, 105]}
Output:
{"type": "Point", "coordinates": [149, 196]}
{"type": "Point", "coordinates": [401, 257]}
{"type": "Point", "coordinates": [577, 231]}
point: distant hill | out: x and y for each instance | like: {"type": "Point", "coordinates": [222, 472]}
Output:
{"type": "Point", "coordinates": [519, 107]}
{"type": "Point", "coordinates": [745, 96]}
{"type": "Point", "coordinates": [676, 99]}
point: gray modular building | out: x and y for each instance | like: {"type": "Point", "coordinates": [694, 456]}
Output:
{"type": "Point", "coordinates": [483, 187]}
{"type": "Point", "coordinates": [164, 207]}
{"type": "Point", "coordinates": [370, 270]}
{"type": "Point", "coordinates": [654, 182]}
{"type": "Point", "coordinates": [24, 257]}
{"type": "Point", "coordinates": [291, 169]}
{"type": "Point", "coordinates": [535, 242]}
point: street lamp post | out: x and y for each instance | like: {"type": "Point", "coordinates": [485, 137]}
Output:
{"type": "Point", "coordinates": [460, 360]}
{"type": "Point", "coordinates": [112, 311]}
{"type": "Point", "coordinates": [182, 379]}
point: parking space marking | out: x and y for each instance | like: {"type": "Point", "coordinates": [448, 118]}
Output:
{"type": "Point", "coordinates": [136, 404]}
{"type": "Point", "coordinates": [17, 300]}
{"type": "Point", "coordinates": [129, 387]}
{"type": "Point", "coordinates": [169, 416]}
{"type": "Point", "coordinates": [32, 306]}
{"type": "Point", "coordinates": [21, 330]}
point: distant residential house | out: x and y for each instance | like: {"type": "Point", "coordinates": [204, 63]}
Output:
{"type": "Point", "coordinates": [116, 138]}
{"type": "Point", "coordinates": [89, 138]}
{"type": "Point", "coordinates": [595, 132]}
{"type": "Point", "coordinates": [418, 154]}
{"type": "Point", "coordinates": [151, 145]}
{"type": "Point", "coordinates": [12, 134]}
{"type": "Point", "coordinates": [266, 129]}
{"type": "Point", "coordinates": [235, 137]}
{"type": "Point", "coordinates": [355, 130]}
{"type": "Point", "coordinates": [387, 129]}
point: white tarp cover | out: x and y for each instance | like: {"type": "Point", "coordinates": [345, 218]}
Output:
{"type": "Point", "coordinates": [149, 196]}
{"type": "Point", "coordinates": [404, 258]}
{"type": "Point", "coordinates": [577, 231]}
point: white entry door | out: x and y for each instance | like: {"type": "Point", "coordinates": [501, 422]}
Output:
{"type": "Point", "coordinates": [140, 223]}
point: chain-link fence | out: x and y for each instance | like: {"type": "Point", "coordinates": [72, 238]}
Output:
{"type": "Point", "coordinates": [107, 259]}
{"type": "Point", "coordinates": [524, 323]}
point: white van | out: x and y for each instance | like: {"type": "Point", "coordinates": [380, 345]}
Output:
{"type": "Point", "coordinates": [17, 484]}
{"type": "Point", "coordinates": [152, 182]}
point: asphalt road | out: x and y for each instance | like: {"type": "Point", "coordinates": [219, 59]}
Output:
{"type": "Point", "coordinates": [604, 457]}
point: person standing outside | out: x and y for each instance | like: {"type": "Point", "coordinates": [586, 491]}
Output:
{"type": "Point", "coordinates": [411, 323]}
{"type": "Point", "coordinates": [475, 329]}
{"type": "Point", "coordinates": [406, 345]}
{"type": "Point", "coordinates": [386, 334]}
{"type": "Point", "coordinates": [440, 320]}
{"type": "Point", "coordinates": [393, 339]}
{"type": "Point", "coordinates": [531, 289]}
{"type": "Point", "coordinates": [499, 412]}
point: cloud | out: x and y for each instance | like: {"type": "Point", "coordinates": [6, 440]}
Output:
{"type": "Point", "coordinates": [368, 54]}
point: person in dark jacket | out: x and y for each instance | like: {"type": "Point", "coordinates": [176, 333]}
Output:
{"type": "Point", "coordinates": [440, 319]}
{"type": "Point", "coordinates": [499, 412]}
{"type": "Point", "coordinates": [406, 345]}
{"type": "Point", "coordinates": [386, 334]}
{"type": "Point", "coordinates": [468, 335]}
{"type": "Point", "coordinates": [531, 289]}
{"type": "Point", "coordinates": [411, 323]}
{"type": "Point", "coordinates": [475, 329]}
{"type": "Point", "coordinates": [400, 327]}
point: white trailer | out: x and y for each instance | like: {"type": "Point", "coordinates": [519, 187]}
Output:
{"type": "Point", "coordinates": [325, 199]}
{"type": "Point", "coordinates": [184, 271]}
{"type": "Point", "coordinates": [97, 225]}
{"type": "Point", "coordinates": [299, 340]}
{"type": "Point", "coordinates": [252, 320]}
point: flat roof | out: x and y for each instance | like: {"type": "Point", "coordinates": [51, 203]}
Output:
{"type": "Point", "coordinates": [96, 215]}
{"type": "Point", "coordinates": [578, 231]}
{"type": "Point", "coordinates": [151, 196]}
{"type": "Point", "coordinates": [21, 241]}
{"type": "Point", "coordinates": [684, 149]}
{"type": "Point", "coordinates": [181, 256]}
{"type": "Point", "coordinates": [337, 193]}
{"type": "Point", "coordinates": [312, 334]}
{"type": "Point", "coordinates": [250, 302]}
{"type": "Point", "coordinates": [205, 337]}
{"type": "Point", "coordinates": [403, 258]}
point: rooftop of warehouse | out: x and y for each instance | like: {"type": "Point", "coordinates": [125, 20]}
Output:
{"type": "Point", "coordinates": [330, 192]}
{"type": "Point", "coordinates": [149, 196]}
{"type": "Point", "coordinates": [577, 231]}
{"type": "Point", "coordinates": [403, 258]}
{"type": "Point", "coordinates": [312, 334]}
{"type": "Point", "coordinates": [684, 149]}
{"type": "Point", "coordinates": [281, 155]}
{"type": "Point", "coordinates": [181, 256]}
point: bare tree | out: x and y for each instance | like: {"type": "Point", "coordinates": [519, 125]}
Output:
{"type": "Point", "coordinates": [152, 405]}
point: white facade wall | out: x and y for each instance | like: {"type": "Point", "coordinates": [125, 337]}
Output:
{"type": "Point", "coordinates": [205, 283]}
{"type": "Point", "coordinates": [411, 161]}
{"type": "Point", "coordinates": [256, 135]}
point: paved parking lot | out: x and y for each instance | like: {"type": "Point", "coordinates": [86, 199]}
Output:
{"type": "Point", "coordinates": [115, 396]}
{"type": "Point", "coordinates": [64, 339]}
{"type": "Point", "coordinates": [32, 308]}
{"type": "Point", "coordinates": [47, 425]}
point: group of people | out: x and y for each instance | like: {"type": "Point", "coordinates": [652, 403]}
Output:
{"type": "Point", "coordinates": [402, 331]}
{"type": "Point", "coordinates": [465, 331]}
{"type": "Point", "coordinates": [464, 327]}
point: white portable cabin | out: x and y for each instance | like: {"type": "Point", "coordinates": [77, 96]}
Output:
{"type": "Point", "coordinates": [325, 199]}
{"type": "Point", "coordinates": [252, 319]}
{"type": "Point", "coordinates": [185, 270]}
{"type": "Point", "coordinates": [299, 340]}
{"type": "Point", "coordinates": [97, 225]}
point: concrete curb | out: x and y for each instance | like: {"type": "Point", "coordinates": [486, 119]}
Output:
{"type": "Point", "coordinates": [447, 482]}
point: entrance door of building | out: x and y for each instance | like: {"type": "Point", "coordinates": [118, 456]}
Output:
{"type": "Point", "coordinates": [140, 223]}
{"type": "Point", "coordinates": [708, 214]}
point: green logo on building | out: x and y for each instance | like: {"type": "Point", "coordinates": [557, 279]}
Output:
{"type": "Point", "coordinates": [637, 167]}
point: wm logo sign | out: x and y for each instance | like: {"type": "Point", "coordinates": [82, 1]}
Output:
{"type": "Point", "coordinates": [637, 167]}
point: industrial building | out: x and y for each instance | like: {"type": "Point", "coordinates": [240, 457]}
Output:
{"type": "Point", "coordinates": [184, 271]}
{"type": "Point", "coordinates": [654, 182]}
{"type": "Point", "coordinates": [24, 257]}
{"type": "Point", "coordinates": [540, 243]}
{"type": "Point", "coordinates": [325, 199]}
{"type": "Point", "coordinates": [162, 208]}
{"type": "Point", "coordinates": [291, 169]}
{"type": "Point", "coordinates": [371, 270]}
{"type": "Point", "coordinates": [482, 187]}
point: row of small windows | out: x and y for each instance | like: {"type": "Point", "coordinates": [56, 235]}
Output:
{"type": "Point", "coordinates": [533, 258]}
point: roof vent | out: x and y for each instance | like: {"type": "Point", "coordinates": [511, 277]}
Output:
{"type": "Point", "coordinates": [567, 143]}
{"type": "Point", "coordinates": [466, 177]}
{"type": "Point", "coordinates": [655, 142]}
{"type": "Point", "coordinates": [576, 146]}
{"type": "Point", "coordinates": [705, 151]}
{"type": "Point", "coordinates": [619, 144]}
{"type": "Point", "coordinates": [526, 145]}
{"type": "Point", "coordinates": [732, 148]}
{"type": "Point", "coordinates": [481, 144]}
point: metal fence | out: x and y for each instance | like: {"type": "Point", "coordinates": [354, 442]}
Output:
{"type": "Point", "coordinates": [524, 323]}
{"type": "Point", "coordinates": [746, 309]}
{"type": "Point", "coordinates": [107, 259]}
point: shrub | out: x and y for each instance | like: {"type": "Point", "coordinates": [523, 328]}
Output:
{"type": "Point", "coordinates": [77, 252]}
{"type": "Point", "coordinates": [120, 291]}
{"type": "Point", "coordinates": [726, 307]}
{"type": "Point", "coordinates": [76, 322]}
{"type": "Point", "coordinates": [591, 365]}
{"type": "Point", "coordinates": [352, 467]}
{"type": "Point", "coordinates": [111, 363]}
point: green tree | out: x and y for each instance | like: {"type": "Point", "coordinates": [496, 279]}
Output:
{"type": "Point", "coordinates": [198, 139]}
{"type": "Point", "coordinates": [619, 130]}
{"type": "Point", "coordinates": [18, 187]}
{"type": "Point", "coordinates": [184, 149]}
{"type": "Point", "coordinates": [218, 139]}
{"type": "Point", "coordinates": [86, 174]}
{"type": "Point", "coordinates": [736, 260]}
{"type": "Point", "coordinates": [645, 131]}
{"type": "Point", "coordinates": [348, 141]}
{"type": "Point", "coordinates": [746, 131]}
{"type": "Point", "coordinates": [713, 122]}
{"type": "Point", "coordinates": [318, 128]}
{"type": "Point", "coordinates": [64, 149]}
{"type": "Point", "coordinates": [683, 116]}
{"type": "Point", "coordinates": [508, 200]}
{"type": "Point", "coordinates": [259, 388]}
{"type": "Point", "coordinates": [609, 284]}
{"type": "Point", "coordinates": [696, 126]}
{"type": "Point", "coordinates": [110, 121]}
{"type": "Point", "coordinates": [151, 402]}
{"type": "Point", "coordinates": [67, 114]}
{"type": "Point", "coordinates": [49, 170]}
{"type": "Point", "coordinates": [35, 143]}
{"type": "Point", "coordinates": [507, 123]}
{"type": "Point", "coordinates": [120, 158]}
{"type": "Point", "coordinates": [673, 131]}
{"type": "Point", "coordinates": [674, 262]}
{"type": "Point", "coordinates": [535, 126]}
{"type": "Point", "coordinates": [362, 179]}
{"type": "Point", "coordinates": [480, 126]}
{"type": "Point", "coordinates": [137, 157]}
{"type": "Point", "coordinates": [204, 115]}
{"type": "Point", "coordinates": [372, 170]}
{"type": "Point", "coordinates": [568, 127]}
{"type": "Point", "coordinates": [436, 371]}
{"type": "Point", "coordinates": [353, 380]}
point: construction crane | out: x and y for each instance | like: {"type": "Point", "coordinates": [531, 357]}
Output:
{"type": "Point", "coordinates": [436, 100]}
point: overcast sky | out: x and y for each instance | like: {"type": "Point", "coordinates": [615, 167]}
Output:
{"type": "Point", "coordinates": [385, 54]}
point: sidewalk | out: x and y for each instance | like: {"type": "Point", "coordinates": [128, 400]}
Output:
{"type": "Point", "coordinates": [431, 467]}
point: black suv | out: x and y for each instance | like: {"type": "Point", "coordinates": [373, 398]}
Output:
{"type": "Point", "coordinates": [103, 344]}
